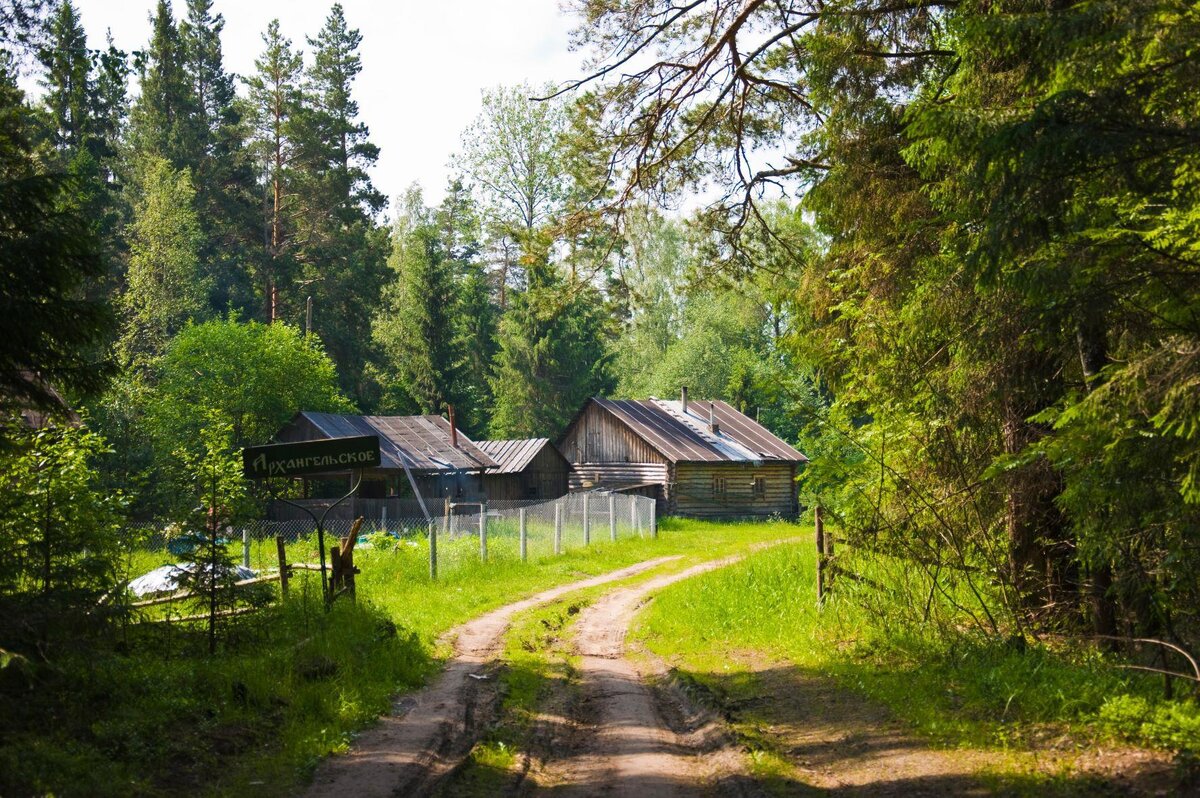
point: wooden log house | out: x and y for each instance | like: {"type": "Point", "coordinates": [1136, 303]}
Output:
{"type": "Point", "coordinates": [698, 459]}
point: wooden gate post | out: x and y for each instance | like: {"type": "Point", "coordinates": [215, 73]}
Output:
{"type": "Point", "coordinates": [634, 525]}
{"type": "Point", "coordinates": [653, 519]}
{"type": "Point", "coordinates": [819, 524]}
{"type": "Point", "coordinates": [524, 539]}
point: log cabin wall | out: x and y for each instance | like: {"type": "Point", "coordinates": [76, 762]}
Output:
{"type": "Point", "coordinates": [734, 490]}
{"type": "Point", "coordinates": [599, 437]}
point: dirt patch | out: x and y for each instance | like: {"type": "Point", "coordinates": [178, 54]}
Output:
{"type": "Point", "coordinates": [429, 732]}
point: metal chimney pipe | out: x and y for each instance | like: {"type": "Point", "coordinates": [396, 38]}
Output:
{"type": "Point", "coordinates": [713, 427]}
{"type": "Point", "coordinates": [683, 398]}
{"type": "Point", "coordinates": [453, 428]}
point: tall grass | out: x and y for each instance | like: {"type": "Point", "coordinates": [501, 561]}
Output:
{"type": "Point", "coordinates": [955, 682]}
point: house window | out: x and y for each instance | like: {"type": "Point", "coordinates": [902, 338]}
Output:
{"type": "Point", "coordinates": [718, 487]}
{"type": "Point", "coordinates": [760, 487]}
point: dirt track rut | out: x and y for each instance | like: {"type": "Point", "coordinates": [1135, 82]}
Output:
{"type": "Point", "coordinates": [625, 747]}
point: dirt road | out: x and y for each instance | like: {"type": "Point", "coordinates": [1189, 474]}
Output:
{"type": "Point", "coordinates": [623, 745]}
{"type": "Point", "coordinates": [429, 732]}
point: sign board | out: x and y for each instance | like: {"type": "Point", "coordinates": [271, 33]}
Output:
{"type": "Point", "coordinates": [311, 457]}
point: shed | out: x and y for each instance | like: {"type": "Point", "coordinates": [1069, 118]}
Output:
{"type": "Point", "coordinates": [443, 461]}
{"type": "Point", "coordinates": [525, 469]}
{"type": "Point", "coordinates": [699, 458]}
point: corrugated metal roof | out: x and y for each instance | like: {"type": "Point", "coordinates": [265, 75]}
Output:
{"type": "Point", "coordinates": [685, 437]}
{"type": "Point", "coordinates": [424, 440]}
{"type": "Point", "coordinates": [512, 456]}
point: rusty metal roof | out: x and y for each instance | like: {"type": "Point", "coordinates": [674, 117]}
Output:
{"type": "Point", "coordinates": [686, 437]}
{"type": "Point", "coordinates": [423, 440]}
{"type": "Point", "coordinates": [512, 457]}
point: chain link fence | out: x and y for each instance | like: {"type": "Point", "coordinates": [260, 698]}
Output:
{"type": "Point", "coordinates": [459, 533]}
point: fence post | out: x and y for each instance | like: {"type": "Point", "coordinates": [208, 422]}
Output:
{"type": "Point", "coordinates": [634, 524]}
{"type": "Point", "coordinates": [612, 517]}
{"type": "Point", "coordinates": [653, 519]}
{"type": "Point", "coordinates": [483, 531]}
{"type": "Point", "coordinates": [819, 524]}
{"type": "Point", "coordinates": [558, 527]}
{"type": "Point", "coordinates": [383, 517]}
{"type": "Point", "coordinates": [246, 546]}
{"type": "Point", "coordinates": [587, 523]}
{"type": "Point", "coordinates": [283, 566]}
{"type": "Point", "coordinates": [524, 539]}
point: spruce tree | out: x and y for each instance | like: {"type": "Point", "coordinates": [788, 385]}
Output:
{"type": "Point", "coordinates": [340, 249]}
{"type": "Point", "coordinates": [223, 172]}
{"type": "Point", "coordinates": [165, 121]}
{"type": "Point", "coordinates": [414, 329]}
{"type": "Point", "coordinates": [68, 81]}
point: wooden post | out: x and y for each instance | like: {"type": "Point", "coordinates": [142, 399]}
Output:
{"type": "Point", "coordinates": [524, 538]}
{"type": "Point", "coordinates": [283, 566]}
{"type": "Point", "coordinates": [335, 571]}
{"type": "Point", "coordinates": [483, 531]}
{"type": "Point", "coordinates": [612, 517]}
{"type": "Point", "coordinates": [633, 516]}
{"type": "Point", "coordinates": [653, 519]}
{"type": "Point", "coordinates": [246, 547]}
{"type": "Point", "coordinates": [558, 527]}
{"type": "Point", "coordinates": [587, 523]}
{"type": "Point", "coordinates": [819, 524]}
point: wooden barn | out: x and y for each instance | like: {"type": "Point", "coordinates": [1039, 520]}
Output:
{"type": "Point", "coordinates": [699, 459]}
{"type": "Point", "coordinates": [525, 469]}
{"type": "Point", "coordinates": [444, 463]}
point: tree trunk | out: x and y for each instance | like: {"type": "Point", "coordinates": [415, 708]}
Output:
{"type": "Point", "coordinates": [1091, 337]}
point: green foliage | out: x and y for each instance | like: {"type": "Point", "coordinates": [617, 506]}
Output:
{"type": "Point", "coordinates": [551, 358]}
{"type": "Point", "coordinates": [49, 251]}
{"type": "Point", "coordinates": [165, 288]}
{"type": "Point", "coordinates": [59, 543]}
{"type": "Point", "coordinates": [250, 377]}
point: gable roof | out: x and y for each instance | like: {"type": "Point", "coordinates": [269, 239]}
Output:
{"type": "Point", "coordinates": [686, 437]}
{"type": "Point", "coordinates": [424, 440]}
{"type": "Point", "coordinates": [512, 457]}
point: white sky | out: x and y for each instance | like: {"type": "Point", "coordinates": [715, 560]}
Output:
{"type": "Point", "coordinates": [424, 63]}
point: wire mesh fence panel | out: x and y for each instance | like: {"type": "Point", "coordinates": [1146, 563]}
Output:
{"type": "Point", "coordinates": [468, 534]}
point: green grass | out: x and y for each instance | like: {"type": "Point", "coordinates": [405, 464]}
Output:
{"type": "Point", "coordinates": [149, 713]}
{"type": "Point", "coordinates": [958, 686]}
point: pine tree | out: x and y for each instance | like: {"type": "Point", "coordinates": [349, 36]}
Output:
{"type": "Point", "coordinates": [552, 354]}
{"type": "Point", "coordinates": [274, 104]}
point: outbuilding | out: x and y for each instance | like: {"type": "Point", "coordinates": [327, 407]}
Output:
{"type": "Point", "coordinates": [525, 469]}
{"type": "Point", "coordinates": [700, 459]}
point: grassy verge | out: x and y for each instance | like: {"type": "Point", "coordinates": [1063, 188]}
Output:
{"type": "Point", "coordinates": [149, 713]}
{"type": "Point", "coordinates": [961, 689]}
